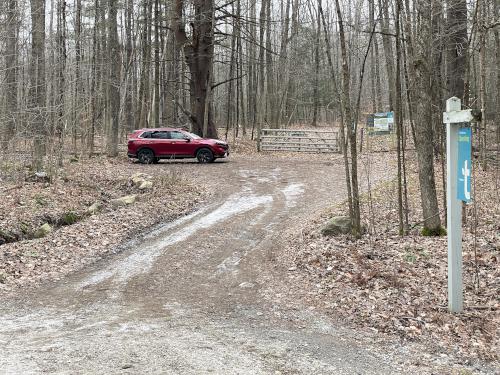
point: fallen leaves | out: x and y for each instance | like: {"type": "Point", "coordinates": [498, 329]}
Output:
{"type": "Point", "coordinates": [78, 187]}
{"type": "Point", "coordinates": [398, 285]}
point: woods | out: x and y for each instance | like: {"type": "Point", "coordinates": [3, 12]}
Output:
{"type": "Point", "coordinates": [250, 186]}
{"type": "Point", "coordinates": [78, 76]}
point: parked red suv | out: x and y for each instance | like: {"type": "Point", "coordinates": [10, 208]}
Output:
{"type": "Point", "coordinates": [151, 145]}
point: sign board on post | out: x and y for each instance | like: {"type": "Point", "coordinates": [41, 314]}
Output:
{"type": "Point", "coordinates": [464, 164]}
{"type": "Point", "coordinates": [381, 122]}
{"type": "Point", "coordinates": [458, 182]}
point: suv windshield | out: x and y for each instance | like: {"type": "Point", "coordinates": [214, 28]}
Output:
{"type": "Point", "coordinates": [194, 136]}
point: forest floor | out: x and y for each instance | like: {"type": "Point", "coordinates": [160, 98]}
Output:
{"type": "Point", "coordinates": [242, 283]}
{"type": "Point", "coordinates": [80, 234]}
{"type": "Point", "coordinates": [398, 284]}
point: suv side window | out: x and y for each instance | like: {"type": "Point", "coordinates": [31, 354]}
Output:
{"type": "Point", "coordinates": [146, 135]}
{"type": "Point", "coordinates": [177, 135]}
{"type": "Point", "coordinates": [160, 135]}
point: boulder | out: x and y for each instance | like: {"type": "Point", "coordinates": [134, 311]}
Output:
{"type": "Point", "coordinates": [124, 201]}
{"type": "Point", "coordinates": [95, 208]}
{"type": "Point", "coordinates": [336, 226]}
{"type": "Point", "coordinates": [44, 230]}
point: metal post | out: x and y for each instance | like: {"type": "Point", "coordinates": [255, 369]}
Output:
{"type": "Point", "coordinates": [454, 212]}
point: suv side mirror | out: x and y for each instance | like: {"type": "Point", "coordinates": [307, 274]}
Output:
{"type": "Point", "coordinates": [186, 138]}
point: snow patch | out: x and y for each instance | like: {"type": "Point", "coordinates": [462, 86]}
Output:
{"type": "Point", "coordinates": [292, 192]}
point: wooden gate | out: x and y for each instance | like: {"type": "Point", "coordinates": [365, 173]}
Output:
{"type": "Point", "coordinates": [313, 141]}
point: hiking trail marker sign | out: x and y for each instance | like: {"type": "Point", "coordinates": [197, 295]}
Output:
{"type": "Point", "coordinates": [464, 164]}
{"type": "Point", "coordinates": [458, 189]}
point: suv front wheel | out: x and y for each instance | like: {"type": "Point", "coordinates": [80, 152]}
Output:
{"type": "Point", "coordinates": [146, 156]}
{"type": "Point", "coordinates": [205, 155]}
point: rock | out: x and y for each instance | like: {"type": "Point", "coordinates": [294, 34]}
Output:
{"type": "Point", "coordinates": [6, 237]}
{"type": "Point", "coordinates": [139, 179]}
{"type": "Point", "coordinates": [146, 185]}
{"type": "Point", "coordinates": [95, 208]}
{"type": "Point", "coordinates": [336, 226]}
{"type": "Point", "coordinates": [38, 177]}
{"type": "Point", "coordinates": [124, 201]}
{"type": "Point", "coordinates": [247, 285]}
{"type": "Point", "coordinates": [69, 218]}
{"type": "Point", "coordinates": [44, 230]}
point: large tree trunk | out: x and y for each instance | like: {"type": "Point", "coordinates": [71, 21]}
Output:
{"type": "Point", "coordinates": [199, 58]}
{"type": "Point", "coordinates": [37, 90]}
{"type": "Point", "coordinates": [422, 99]}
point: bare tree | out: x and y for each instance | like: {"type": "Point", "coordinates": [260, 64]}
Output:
{"type": "Point", "coordinates": [114, 77]}
{"type": "Point", "coordinates": [351, 127]}
{"type": "Point", "coordinates": [198, 51]}
{"type": "Point", "coordinates": [37, 90]}
{"type": "Point", "coordinates": [11, 70]}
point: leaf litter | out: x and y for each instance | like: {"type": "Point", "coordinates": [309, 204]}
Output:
{"type": "Point", "coordinates": [398, 284]}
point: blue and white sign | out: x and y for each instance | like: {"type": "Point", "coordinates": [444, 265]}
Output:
{"type": "Point", "coordinates": [464, 165]}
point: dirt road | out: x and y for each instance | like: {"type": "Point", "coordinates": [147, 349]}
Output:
{"type": "Point", "coordinates": [185, 298]}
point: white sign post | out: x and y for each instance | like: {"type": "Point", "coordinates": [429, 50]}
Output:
{"type": "Point", "coordinates": [453, 117]}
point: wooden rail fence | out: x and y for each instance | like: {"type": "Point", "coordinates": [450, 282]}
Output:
{"type": "Point", "coordinates": [312, 141]}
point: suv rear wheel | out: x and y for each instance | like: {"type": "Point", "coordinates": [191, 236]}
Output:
{"type": "Point", "coordinates": [146, 156]}
{"type": "Point", "coordinates": [205, 155]}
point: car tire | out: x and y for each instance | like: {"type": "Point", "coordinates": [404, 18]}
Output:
{"type": "Point", "coordinates": [146, 156]}
{"type": "Point", "coordinates": [205, 155]}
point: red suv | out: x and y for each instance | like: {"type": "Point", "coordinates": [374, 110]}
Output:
{"type": "Point", "coordinates": [151, 145]}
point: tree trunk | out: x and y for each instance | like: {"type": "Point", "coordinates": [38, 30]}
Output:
{"type": "Point", "coordinates": [37, 90]}
{"type": "Point", "coordinates": [198, 53]}
{"type": "Point", "coordinates": [129, 63]}
{"type": "Point", "coordinates": [457, 51]}
{"type": "Point", "coordinates": [114, 78]}
{"type": "Point", "coordinates": [316, 69]}
{"type": "Point", "coordinates": [61, 65]}
{"type": "Point", "coordinates": [423, 120]}
{"type": "Point", "coordinates": [144, 95]}
{"type": "Point", "coordinates": [11, 70]}
{"type": "Point", "coordinates": [78, 59]}
{"type": "Point", "coordinates": [351, 127]}
{"type": "Point", "coordinates": [336, 93]}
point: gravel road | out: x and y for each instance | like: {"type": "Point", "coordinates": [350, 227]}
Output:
{"type": "Point", "coordinates": [186, 297]}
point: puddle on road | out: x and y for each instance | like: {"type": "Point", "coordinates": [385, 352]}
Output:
{"type": "Point", "coordinates": [143, 258]}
